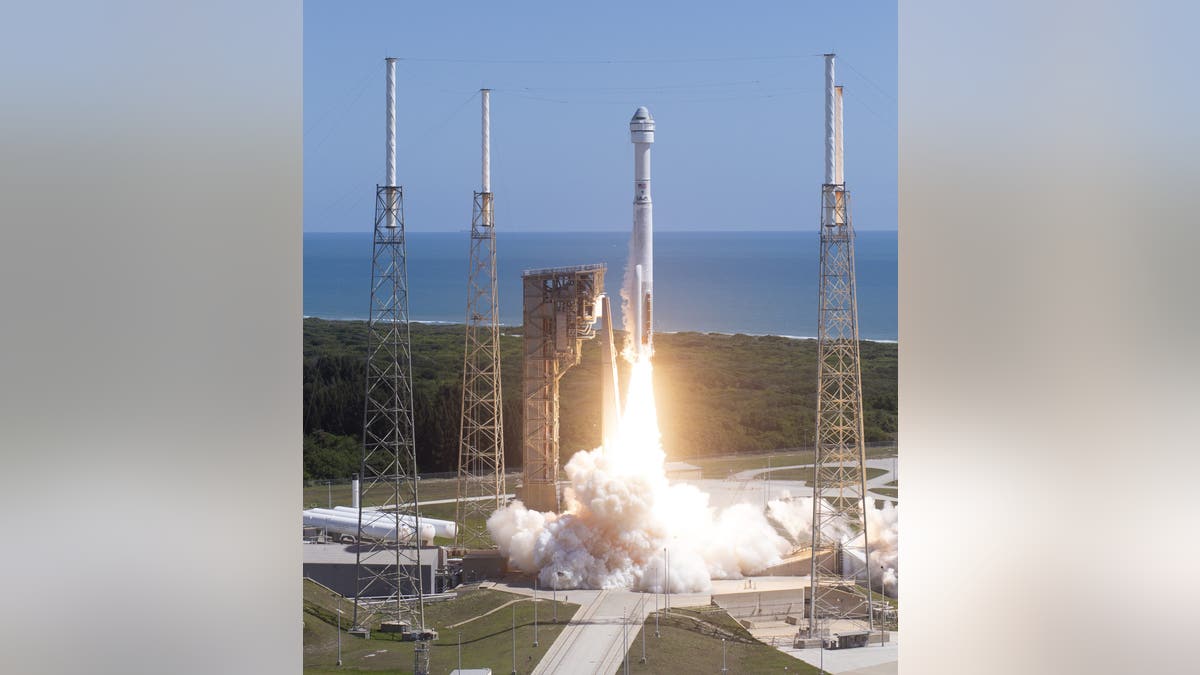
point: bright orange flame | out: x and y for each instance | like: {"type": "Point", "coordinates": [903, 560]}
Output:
{"type": "Point", "coordinates": [637, 446]}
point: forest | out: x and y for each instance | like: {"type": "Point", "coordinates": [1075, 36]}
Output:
{"type": "Point", "coordinates": [715, 394]}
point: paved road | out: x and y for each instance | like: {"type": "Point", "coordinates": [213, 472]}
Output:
{"type": "Point", "coordinates": [748, 486]}
{"type": "Point", "coordinates": [584, 646]}
{"type": "Point", "coordinates": [592, 642]}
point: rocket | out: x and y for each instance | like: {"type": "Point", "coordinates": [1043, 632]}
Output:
{"type": "Point", "coordinates": [641, 133]}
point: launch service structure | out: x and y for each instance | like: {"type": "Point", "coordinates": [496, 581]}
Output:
{"type": "Point", "coordinates": [840, 551]}
{"type": "Point", "coordinates": [389, 595]}
{"type": "Point", "coordinates": [561, 305]}
{"type": "Point", "coordinates": [481, 489]}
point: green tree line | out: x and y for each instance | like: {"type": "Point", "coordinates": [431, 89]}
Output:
{"type": "Point", "coordinates": [715, 394]}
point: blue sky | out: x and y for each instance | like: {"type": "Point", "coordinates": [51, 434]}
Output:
{"type": "Point", "coordinates": [736, 93]}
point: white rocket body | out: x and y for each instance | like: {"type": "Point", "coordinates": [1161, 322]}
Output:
{"type": "Point", "coordinates": [641, 132]}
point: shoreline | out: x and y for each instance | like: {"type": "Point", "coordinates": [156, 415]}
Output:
{"type": "Point", "coordinates": [435, 322]}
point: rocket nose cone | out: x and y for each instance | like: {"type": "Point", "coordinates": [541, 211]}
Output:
{"type": "Point", "coordinates": [642, 115]}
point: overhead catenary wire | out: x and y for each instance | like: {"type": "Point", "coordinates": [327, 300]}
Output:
{"type": "Point", "coordinates": [868, 80]}
{"type": "Point", "coordinates": [357, 90]}
{"type": "Point", "coordinates": [866, 107]}
{"type": "Point", "coordinates": [744, 96]}
{"type": "Point", "coordinates": [694, 92]}
{"type": "Point", "coordinates": [605, 60]}
{"type": "Point", "coordinates": [694, 85]}
{"type": "Point", "coordinates": [342, 116]}
{"type": "Point", "coordinates": [434, 128]}
{"type": "Point", "coordinates": [418, 138]}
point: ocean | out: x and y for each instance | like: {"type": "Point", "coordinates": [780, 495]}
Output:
{"type": "Point", "coordinates": [718, 282]}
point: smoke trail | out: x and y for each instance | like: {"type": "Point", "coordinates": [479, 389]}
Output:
{"type": "Point", "coordinates": [622, 516]}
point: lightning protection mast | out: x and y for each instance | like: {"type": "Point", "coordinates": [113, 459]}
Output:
{"type": "Point", "coordinates": [481, 489]}
{"type": "Point", "coordinates": [389, 594]}
{"type": "Point", "coordinates": [839, 534]}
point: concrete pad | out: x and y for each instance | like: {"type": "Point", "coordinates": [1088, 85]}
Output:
{"type": "Point", "coordinates": [881, 669]}
{"type": "Point", "coordinates": [592, 642]}
{"type": "Point", "coordinates": [869, 660]}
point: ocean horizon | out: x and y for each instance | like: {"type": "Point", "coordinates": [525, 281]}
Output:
{"type": "Point", "coordinates": [753, 283]}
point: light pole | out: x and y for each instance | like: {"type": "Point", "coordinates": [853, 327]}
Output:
{"type": "Point", "coordinates": [535, 640]}
{"type": "Point", "coordinates": [724, 669]}
{"type": "Point", "coordinates": [329, 485]}
{"type": "Point", "coordinates": [767, 496]}
{"type": "Point", "coordinates": [659, 583]}
{"type": "Point", "coordinates": [556, 576]}
{"type": "Point", "coordinates": [514, 670]}
{"type": "Point", "coordinates": [460, 651]}
{"type": "Point", "coordinates": [640, 614]}
{"type": "Point", "coordinates": [667, 590]}
{"type": "Point", "coordinates": [819, 637]}
{"type": "Point", "coordinates": [339, 635]}
{"type": "Point", "coordinates": [625, 639]}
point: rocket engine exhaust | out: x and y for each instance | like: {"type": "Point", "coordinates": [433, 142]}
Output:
{"type": "Point", "coordinates": [641, 133]}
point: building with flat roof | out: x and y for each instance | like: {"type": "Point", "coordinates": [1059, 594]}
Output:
{"type": "Point", "coordinates": [332, 565]}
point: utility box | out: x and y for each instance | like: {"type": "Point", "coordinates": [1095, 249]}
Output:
{"type": "Point", "coordinates": [401, 627]}
{"type": "Point", "coordinates": [483, 564]}
{"type": "Point", "coordinates": [848, 640]}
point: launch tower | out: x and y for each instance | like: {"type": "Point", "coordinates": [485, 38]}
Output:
{"type": "Point", "coordinates": [389, 593]}
{"type": "Point", "coordinates": [839, 532]}
{"type": "Point", "coordinates": [481, 489]}
{"type": "Point", "coordinates": [561, 304]}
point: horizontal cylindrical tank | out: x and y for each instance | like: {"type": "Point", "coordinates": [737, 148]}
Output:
{"type": "Point", "coordinates": [444, 528]}
{"type": "Point", "coordinates": [382, 526]}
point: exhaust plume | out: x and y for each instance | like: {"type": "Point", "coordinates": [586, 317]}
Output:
{"type": "Point", "coordinates": [622, 515]}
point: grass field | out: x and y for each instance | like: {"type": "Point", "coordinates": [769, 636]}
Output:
{"type": "Point", "coordinates": [691, 643]}
{"type": "Point", "coordinates": [487, 641]}
{"type": "Point", "coordinates": [886, 492]}
{"type": "Point", "coordinates": [431, 489]}
{"type": "Point", "coordinates": [722, 467]}
{"type": "Point", "coordinates": [807, 474]}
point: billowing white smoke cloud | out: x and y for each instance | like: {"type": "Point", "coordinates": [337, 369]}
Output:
{"type": "Point", "coordinates": [621, 514]}
{"type": "Point", "coordinates": [794, 516]}
{"type": "Point", "coordinates": [883, 532]}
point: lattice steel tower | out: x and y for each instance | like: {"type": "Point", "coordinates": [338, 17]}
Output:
{"type": "Point", "coordinates": [560, 306]}
{"type": "Point", "coordinates": [481, 489]}
{"type": "Point", "coordinates": [839, 534]}
{"type": "Point", "coordinates": [389, 592]}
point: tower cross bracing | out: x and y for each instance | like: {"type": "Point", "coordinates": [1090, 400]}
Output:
{"type": "Point", "coordinates": [481, 485]}
{"type": "Point", "coordinates": [389, 593]}
{"type": "Point", "coordinates": [389, 590]}
{"type": "Point", "coordinates": [839, 532]}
